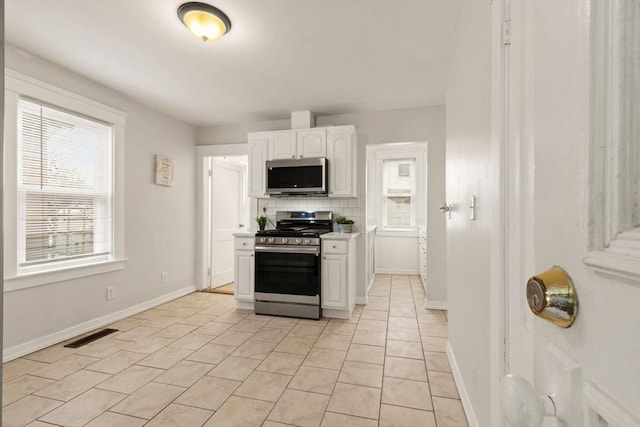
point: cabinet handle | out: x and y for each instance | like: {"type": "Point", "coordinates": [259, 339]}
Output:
{"type": "Point", "coordinates": [301, 156]}
{"type": "Point", "coordinates": [334, 246]}
{"type": "Point", "coordinates": [324, 257]}
{"type": "Point", "coordinates": [293, 156]}
{"type": "Point", "coordinates": [244, 244]}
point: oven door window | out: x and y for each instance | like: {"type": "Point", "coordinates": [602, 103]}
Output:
{"type": "Point", "coordinates": [287, 273]}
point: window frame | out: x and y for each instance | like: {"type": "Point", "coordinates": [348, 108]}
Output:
{"type": "Point", "coordinates": [400, 151]}
{"type": "Point", "coordinates": [411, 195]}
{"type": "Point", "coordinates": [20, 86]}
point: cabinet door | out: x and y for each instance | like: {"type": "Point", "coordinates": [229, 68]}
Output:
{"type": "Point", "coordinates": [341, 163]}
{"type": "Point", "coordinates": [244, 275]}
{"type": "Point", "coordinates": [257, 172]}
{"type": "Point", "coordinates": [334, 282]}
{"type": "Point", "coordinates": [312, 143]}
{"type": "Point", "coordinates": [282, 145]}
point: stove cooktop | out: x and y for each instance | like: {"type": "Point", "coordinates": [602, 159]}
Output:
{"type": "Point", "coordinates": [312, 232]}
{"type": "Point", "coordinates": [300, 224]}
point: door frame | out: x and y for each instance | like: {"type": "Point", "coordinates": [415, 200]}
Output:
{"type": "Point", "coordinates": [215, 163]}
{"type": "Point", "coordinates": [501, 147]}
{"type": "Point", "coordinates": [202, 203]}
{"type": "Point", "coordinates": [510, 256]}
{"type": "Point", "coordinates": [519, 174]}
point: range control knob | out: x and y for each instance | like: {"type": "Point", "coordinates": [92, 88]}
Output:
{"type": "Point", "coordinates": [298, 241]}
{"type": "Point", "coordinates": [271, 240]}
{"type": "Point", "coordinates": [307, 241]}
{"type": "Point", "coordinates": [285, 240]}
{"type": "Point", "coordinates": [262, 239]}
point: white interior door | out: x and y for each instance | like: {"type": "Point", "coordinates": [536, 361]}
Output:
{"type": "Point", "coordinates": [581, 141]}
{"type": "Point", "coordinates": [228, 215]}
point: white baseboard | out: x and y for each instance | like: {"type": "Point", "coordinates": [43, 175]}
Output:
{"type": "Point", "coordinates": [435, 304]}
{"type": "Point", "coordinates": [245, 305]}
{"type": "Point", "coordinates": [338, 314]}
{"type": "Point", "coordinates": [462, 390]}
{"type": "Point", "coordinates": [57, 337]}
{"type": "Point", "coordinates": [407, 272]}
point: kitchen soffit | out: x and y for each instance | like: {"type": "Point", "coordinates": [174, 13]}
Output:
{"type": "Point", "coordinates": [331, 57]}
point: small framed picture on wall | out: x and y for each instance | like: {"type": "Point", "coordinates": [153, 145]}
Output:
{"type": "Point", "coordinates": [163, 171]}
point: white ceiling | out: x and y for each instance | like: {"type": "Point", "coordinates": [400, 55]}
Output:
{"type": "Point", "coordinates": [327, 56]}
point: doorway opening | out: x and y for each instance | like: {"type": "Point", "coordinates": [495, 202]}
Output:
{"type": "Point", "coordinates": [396, 207]}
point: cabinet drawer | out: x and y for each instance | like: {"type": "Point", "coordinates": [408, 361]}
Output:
{"type": "Point", "coordinates": [244, 243]}
{"type": "Point", "coordinates": [334, 247]}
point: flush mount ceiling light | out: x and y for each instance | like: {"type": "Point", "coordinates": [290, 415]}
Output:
{"type": "Point", "coordinates": [204, 21]}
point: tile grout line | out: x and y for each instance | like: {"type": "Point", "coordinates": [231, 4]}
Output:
{"type": "Point", "coordinates": [400, 293]}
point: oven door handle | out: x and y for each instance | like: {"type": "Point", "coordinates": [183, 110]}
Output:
{"type": "Point", "coordinates": [289, 249]}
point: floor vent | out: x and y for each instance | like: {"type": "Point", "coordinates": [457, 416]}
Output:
{"type": "Point", "coordinates": [90, 338]}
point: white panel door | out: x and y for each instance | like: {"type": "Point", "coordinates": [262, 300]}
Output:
{"type": "Point", "coordinates": [312, 143]}
{"type": "Point", "coordinates": [341, 163]}
{"type": "Point", "coordinates": [334, 281]}
{"type": "Point", "coordinates": [582, 100]}
{"type": "Point", "coordinates": [227, 213]}
{"type": "Point", "coordinates": [244, 277]}
{"type": "Point", "coordinates": [282, 145]}
{"type": "Point", "coordinates": [258, 150]}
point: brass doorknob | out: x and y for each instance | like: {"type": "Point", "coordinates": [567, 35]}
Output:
{"type": "Point", "coordinates": [552, 296]}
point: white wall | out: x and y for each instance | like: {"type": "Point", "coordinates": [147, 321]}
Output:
{"type": "Point", "coordinates": [159, 222]}
{"type": "Point", "coordinates": [469, 173]}
{"type": "Point", "coordinates": [397, 254]}
{"type": "Point", "coordinates": [405, 125]}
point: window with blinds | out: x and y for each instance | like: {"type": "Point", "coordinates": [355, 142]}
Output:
{"type": "Point", "coordinates": [64, 188]}
{"type": "Point", "coordinates": [398, 193]}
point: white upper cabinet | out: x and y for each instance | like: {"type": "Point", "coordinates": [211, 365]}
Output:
{"type": "Point", "coordinates": [336, 143]}
{"type": "Point", "coordinates": [258, 146]}
{"type": "Point", "coordinates": [312, 143]}
{"type": "Point", "coordinates": [282, 145]}
{"type": "Point", "coordinates": [297, 144]}
{"type": "Point", "coordinates": [341, 146]}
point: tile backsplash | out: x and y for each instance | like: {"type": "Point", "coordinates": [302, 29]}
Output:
{"type": "Point", "coordinates": [352, 208]}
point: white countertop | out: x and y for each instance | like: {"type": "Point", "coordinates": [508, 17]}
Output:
{"type": "Point", "coordinates": [342, 236]}
{"type": "Point", "coordinates": [244, 234]}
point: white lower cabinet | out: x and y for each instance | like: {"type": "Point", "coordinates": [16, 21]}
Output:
{"type": "Point", "coordinates": [334, 282]}
{"type": "Point", "coordinates": [244, 277]}
{"type": "Point", "coordinates": [338, 272]}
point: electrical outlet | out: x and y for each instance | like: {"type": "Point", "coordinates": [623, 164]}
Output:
{"type": "Point", "coordinates": [111, 292]}
{"type": "Point", "coordinates": [163, 278]}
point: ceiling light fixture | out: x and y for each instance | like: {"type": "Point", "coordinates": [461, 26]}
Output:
{"type": "Point", "coordinates": [204, 21]}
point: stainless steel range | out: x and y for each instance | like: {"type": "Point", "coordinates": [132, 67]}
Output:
{"type": "Point", "coordinates": [287, 264]}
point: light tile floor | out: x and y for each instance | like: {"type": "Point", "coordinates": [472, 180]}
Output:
{"type": "Point", "coordinates": [200, 361]}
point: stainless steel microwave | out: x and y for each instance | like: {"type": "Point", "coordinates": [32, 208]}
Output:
{"type": "Point", "coordinates": [297, 177]}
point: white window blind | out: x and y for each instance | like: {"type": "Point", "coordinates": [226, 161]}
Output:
{"type": "Point", "coordinates": [398, 193]}
{"type": "Point", "coordinates": [64, 188]}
